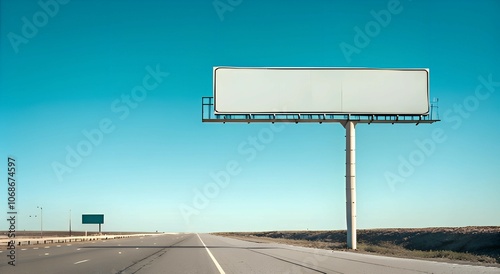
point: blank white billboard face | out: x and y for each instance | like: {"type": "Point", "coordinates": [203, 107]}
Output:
{"type": "Point", "coordinates": [321, 90]}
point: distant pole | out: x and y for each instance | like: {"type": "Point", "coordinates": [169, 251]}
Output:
{"type": "Point", "coordinates": [41, 221]}
{"type": "Point", "coordinates": [70, 222]}
{"type": "Point", "coordinates": [350, 183]}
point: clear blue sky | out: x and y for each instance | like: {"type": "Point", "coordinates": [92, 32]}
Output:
{"type": "Point", "coordinates": [71, 67]}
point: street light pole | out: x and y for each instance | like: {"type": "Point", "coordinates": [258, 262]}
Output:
{"type": "Point", "coordinates": [41, 221]}
{"type": "Point", "coordinates": [70, 222]}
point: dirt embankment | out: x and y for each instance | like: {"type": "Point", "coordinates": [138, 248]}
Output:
{"type": "Point", "coordinates": [481, 241]}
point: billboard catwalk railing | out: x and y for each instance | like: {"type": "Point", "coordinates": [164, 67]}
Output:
{"type": "Point", "coordinates": [208, 115]}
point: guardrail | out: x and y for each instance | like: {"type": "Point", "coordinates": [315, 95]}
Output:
{"type": "Point", "coordinates": [49, 240]}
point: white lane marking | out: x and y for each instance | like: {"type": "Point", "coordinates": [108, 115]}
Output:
{"type": "Point", "coordinates": [47, 247]}
{"type": "Point", "coordinates": [58, 246]}
{"type": "Point", "coordinates": [1, 251]}
{"type": "Point", "coordinates": [68, 244]}
{"type": "Point", "coordinates": [119, 252]}
{"type": "Point", "coordinates": [23, 249]}
{"type": "Point", "coordinates": [46, 254]}
{"type": "Point", "coordinates": [221, 271]}
{"type": "Point", "coordinates": [78, 248]}
{"type": "Point", "coordinates": [35, 248]}
{"type": "Point", "coordinates": [79, 262]}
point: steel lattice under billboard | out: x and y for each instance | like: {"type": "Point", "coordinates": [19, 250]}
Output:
{"type": "Point", "coordinates": [321, 90]}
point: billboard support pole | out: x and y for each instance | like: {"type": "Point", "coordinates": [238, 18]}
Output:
{"type": "Point", "coordinates": [350, 183]}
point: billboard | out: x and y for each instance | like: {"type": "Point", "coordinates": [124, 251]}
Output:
{"type": "Point", "coordinates": [92, 218]}
{"type": "Point", "coordinates": [321, 90]}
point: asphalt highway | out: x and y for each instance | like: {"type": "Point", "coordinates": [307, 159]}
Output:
{"type": "Point", "coordinates": [204, 253]}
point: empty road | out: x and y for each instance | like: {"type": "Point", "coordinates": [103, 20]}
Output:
{"type": "Point", "coordinates": [204, 253]}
